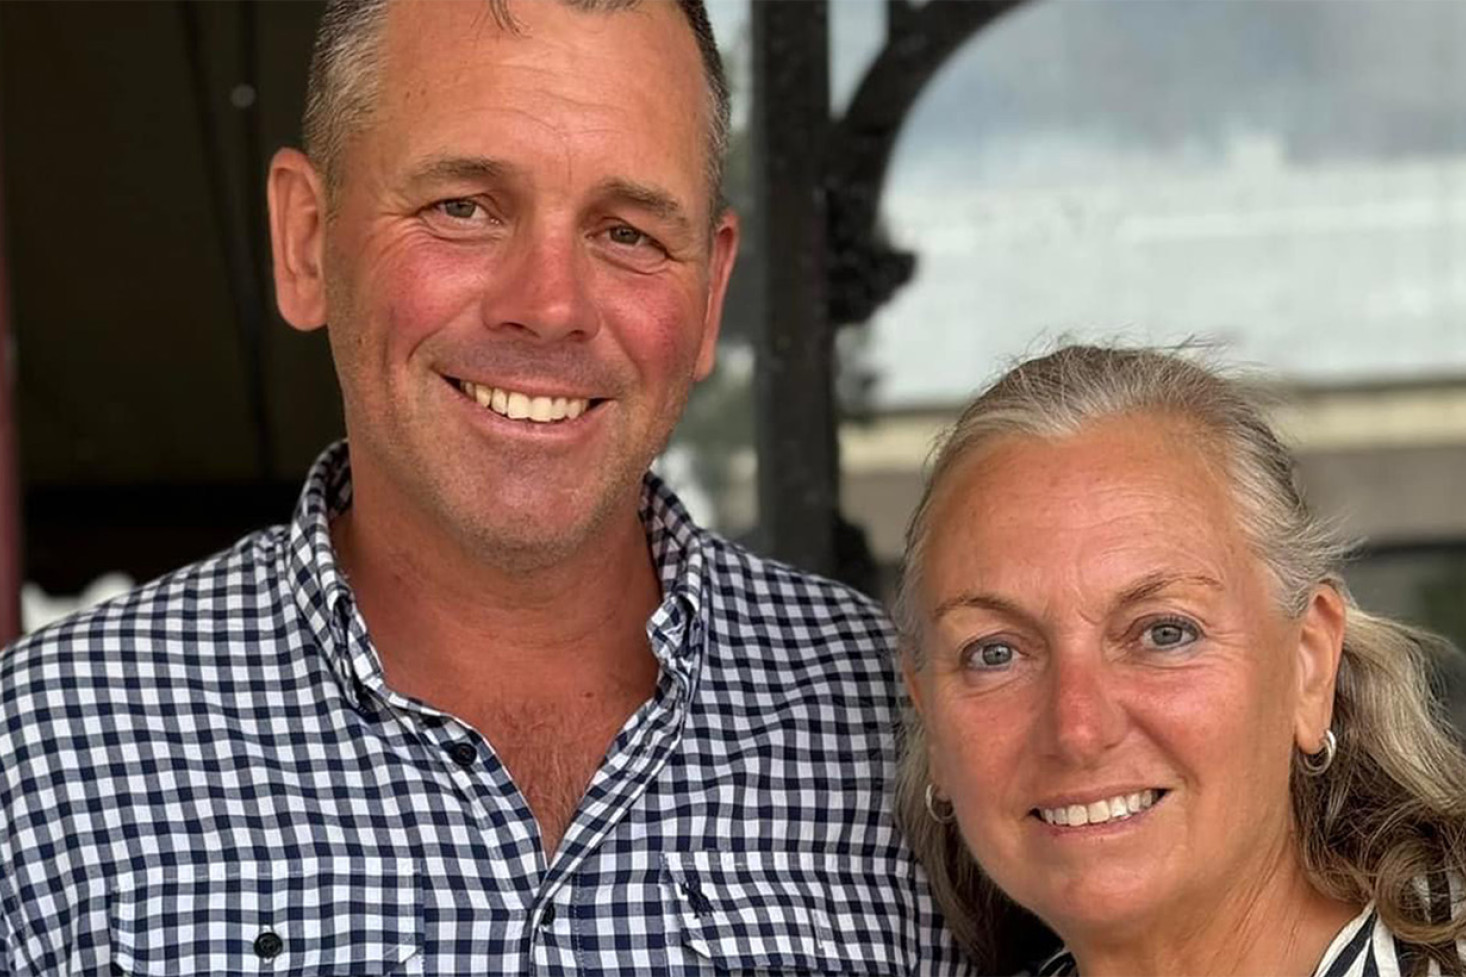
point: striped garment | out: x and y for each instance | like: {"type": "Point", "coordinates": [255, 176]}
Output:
{"type": "Point", "coordinates": [1365, 947]}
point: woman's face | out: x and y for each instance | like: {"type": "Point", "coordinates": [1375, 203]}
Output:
{"type": "Point", "coordinates": [1111, 692]}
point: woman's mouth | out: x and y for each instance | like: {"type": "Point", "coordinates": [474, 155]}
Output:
{"type": "Point", "coordinates": [1116, 808]}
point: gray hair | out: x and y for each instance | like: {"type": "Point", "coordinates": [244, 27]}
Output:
{"type": "Point", "coordinates": [1390, 811]}
{"type": "Point", "coordinates": [345, 79]}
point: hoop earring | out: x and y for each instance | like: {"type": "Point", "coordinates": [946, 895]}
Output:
{"type": "Point", "coordinates": [1314, 764]}
{"type": "Point", "coordinates": [932, 800]}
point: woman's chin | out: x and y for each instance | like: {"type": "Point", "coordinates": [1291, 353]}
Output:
{"type": "Point", "coordinates": [1099, 897]}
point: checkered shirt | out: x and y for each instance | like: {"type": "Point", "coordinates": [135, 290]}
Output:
{"type": "Point", "coordinates": [210, 776]}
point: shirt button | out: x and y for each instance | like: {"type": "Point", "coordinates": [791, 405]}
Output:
{"type": "Point", "coordinates": [547, 918]}
{"type": "Point", "coordinates": [268, 945]}
{"type": "Point", "coordinates": [464, 754]}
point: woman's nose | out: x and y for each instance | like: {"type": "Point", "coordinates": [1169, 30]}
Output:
{"type": "Point", "coordinates": [1086, 716]}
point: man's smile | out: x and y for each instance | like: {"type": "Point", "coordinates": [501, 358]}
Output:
{"type": "Point", "coordinates": [519, 406]}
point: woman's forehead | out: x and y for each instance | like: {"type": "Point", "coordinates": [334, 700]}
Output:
{"type": "Point", "coordinates": [1128, 498]}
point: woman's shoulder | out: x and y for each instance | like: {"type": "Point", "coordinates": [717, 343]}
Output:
{"type": "Point", "coordinates": [1061, 964]}
{"type": "Point", "coordinates": [1368, 946]}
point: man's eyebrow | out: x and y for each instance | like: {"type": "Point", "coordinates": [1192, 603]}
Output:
{"type": "Point", "coordinates": [1153, 583]}
{"type": "Point", "coordinates": [465, 169]}
{"type": "Point", "coordinates": [651, 198]}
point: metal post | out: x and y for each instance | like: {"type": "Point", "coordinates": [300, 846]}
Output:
{"type": "Point", "coordinates": [798, 467]}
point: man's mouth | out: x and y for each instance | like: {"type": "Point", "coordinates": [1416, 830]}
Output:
{"type": "Point", "coordinates": [519, 406]}
{"type": "Point", "coordinates": [1114, 808]}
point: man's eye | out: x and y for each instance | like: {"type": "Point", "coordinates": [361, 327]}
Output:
{"type": "Point", "coordinates": [627, 236]}
{"type": "Point", "coordinates": [991, 654]}
{"type": "Point", "coordinates": [459, 209]}
{"type": "Point", "coordinates": [1170, 633]}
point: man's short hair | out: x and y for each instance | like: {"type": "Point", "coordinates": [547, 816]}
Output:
{"type": "Point", "coordinates": [345, 74]}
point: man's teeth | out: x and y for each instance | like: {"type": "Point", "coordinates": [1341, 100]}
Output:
{"type": "Point", "coordinates": [1098, 812]}
{"type": "Point", "coordinates": [522, 407]}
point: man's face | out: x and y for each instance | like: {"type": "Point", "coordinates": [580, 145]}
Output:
{"type": "Point", "coordinates": [521, 285]}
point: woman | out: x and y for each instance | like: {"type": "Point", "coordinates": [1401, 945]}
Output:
{"type": "Point", "coordinates": [1146, 710]}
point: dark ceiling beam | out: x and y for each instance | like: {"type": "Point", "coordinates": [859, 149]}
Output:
{"type": "Point", "coordinates": [818, 186]}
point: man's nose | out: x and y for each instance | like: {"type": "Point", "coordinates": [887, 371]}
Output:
{"type": "Point", "coordinates": [1086, 712]}
{"type": "Point", "coordinates": [543, 289]}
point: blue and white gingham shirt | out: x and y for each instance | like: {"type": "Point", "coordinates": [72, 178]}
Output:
{"type": "Point", "coordinates": [209, 776]}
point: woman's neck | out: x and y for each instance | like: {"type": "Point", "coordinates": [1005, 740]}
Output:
{"type": "Point", "coordinates": [1280, 926]}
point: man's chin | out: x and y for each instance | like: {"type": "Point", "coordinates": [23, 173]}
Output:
{"type": "Point", "coordinates": [549, 533]}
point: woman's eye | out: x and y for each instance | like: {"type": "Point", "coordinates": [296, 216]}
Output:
{"type": "Point", "coordinates": [1167, 634]}
{"type": "Point", "coordinates": [992, 654]}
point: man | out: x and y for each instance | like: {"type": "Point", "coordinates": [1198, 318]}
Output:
{"type": "Point", "coordinates": [491, 703]}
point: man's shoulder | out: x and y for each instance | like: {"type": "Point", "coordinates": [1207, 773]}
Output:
{"type": "Point", "coordinates": [769, 593]}
{"type": "Point", "coordinates": [773, 625]}
{"type": "Point", "coordinates": [173, 617]}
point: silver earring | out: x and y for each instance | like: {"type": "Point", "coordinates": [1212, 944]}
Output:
{"type": "Point", "coordinates": [947, 816]}
{"type": "Point", "coordinates": [1314, 764]}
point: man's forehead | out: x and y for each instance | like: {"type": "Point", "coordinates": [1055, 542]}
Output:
{"type": "Point", "coordinates": [433, 44]}
{"type": "Point", "coordinates": [489, 21]}
{"type": "Point", "coordinates": [454, 75]}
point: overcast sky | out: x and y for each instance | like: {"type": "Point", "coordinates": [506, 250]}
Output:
{"type": "Point", "coordinates": [1348, 115]}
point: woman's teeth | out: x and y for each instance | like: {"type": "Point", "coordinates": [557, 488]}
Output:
{"type": "Point", "coordinates": [1098, 812]}
{"type": "Point", "coordinates": [522, 407]}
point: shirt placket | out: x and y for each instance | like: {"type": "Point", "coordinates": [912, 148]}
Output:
{"type": "Point", "coordinates": [538, 897]}
{"type": "Point", "coordinates": [636, 756]}
{"type": "Point", "coordinates": [495, 810]}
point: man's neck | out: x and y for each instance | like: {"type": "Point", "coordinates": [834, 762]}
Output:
{"type": "Point", "coordinates": [434, 610]}
{"type": "Point", "coordinates": [546, 661]}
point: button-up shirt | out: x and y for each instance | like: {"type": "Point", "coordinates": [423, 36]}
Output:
{"type": "Point", "coordinates": [210, 775]}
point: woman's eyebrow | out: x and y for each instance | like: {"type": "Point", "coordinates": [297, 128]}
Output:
{"type": "Point", "coordinates": [1147, 586]}
{"type": "Point", "coordinates": [1154, 583]}
{"type": "Point", "coordinates": [981, 601]}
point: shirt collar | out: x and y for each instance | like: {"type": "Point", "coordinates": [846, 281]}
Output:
{"type": "Point", "coordinates": [677, 546]}
{"type": "Point", "coordinates": [323, 595]}
{"type": "Point", "coordinates": [321, 592]}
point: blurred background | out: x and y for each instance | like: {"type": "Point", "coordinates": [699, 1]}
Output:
{"type": "Point", "coordinates": [930, 190]}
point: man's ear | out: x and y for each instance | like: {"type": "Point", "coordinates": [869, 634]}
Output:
{"type": "Point", "coordinates": [720, 269]}
{"type": "Point", "coordinates": [298, 236]}
{"type": "Point", "coordinates": [1320, 645]}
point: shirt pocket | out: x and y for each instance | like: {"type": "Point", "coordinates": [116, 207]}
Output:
{"type": "Point", "coordinates": [309, 917]}
{"type": "Point", "coordinates": [786, 911]}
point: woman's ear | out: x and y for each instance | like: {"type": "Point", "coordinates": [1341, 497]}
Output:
{"type": "Point", "coordinates": [298, 234]}
{"type": "Point", "coordinates": [1320, 645]}
{"type": "Point", "coordinates": [912, 676]}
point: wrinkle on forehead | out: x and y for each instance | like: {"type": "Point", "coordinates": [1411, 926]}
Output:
{"type": "Point", "coordinates": [461, 84]}
{"type": "Point", "coordinates": [1081, 520]}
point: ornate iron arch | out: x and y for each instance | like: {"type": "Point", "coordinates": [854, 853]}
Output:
{"type": "Point", "coordinates": [818, 183]}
